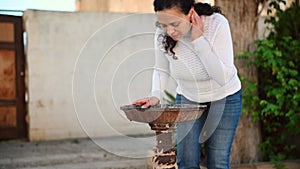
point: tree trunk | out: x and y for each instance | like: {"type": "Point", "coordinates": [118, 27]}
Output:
{"type": "Point", "coordinates": [243, 19]}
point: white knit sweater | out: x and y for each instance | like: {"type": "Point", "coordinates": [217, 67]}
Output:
{"type": "Point", "coordinates": [204, 70]}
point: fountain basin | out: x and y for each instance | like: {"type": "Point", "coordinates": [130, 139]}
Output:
{"type": "Point", "coordinates": [164, 113]}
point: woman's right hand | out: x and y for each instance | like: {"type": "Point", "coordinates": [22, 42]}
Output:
{"type": "Point", "coordinates": [146, 102]}
{"type": "Point", "coordinates": [198, 25]}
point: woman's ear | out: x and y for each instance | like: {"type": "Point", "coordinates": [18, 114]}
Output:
{"type": "Point", "coordinates": [191, 13]}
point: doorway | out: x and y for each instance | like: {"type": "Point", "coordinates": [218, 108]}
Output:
{"type": "Point", "coordinates": [12, 78]}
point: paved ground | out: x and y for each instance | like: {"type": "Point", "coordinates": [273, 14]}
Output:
{"type": "Point", "coordinates": [71, 154]}
{"type": "Point", "coordinates": [105, 153]}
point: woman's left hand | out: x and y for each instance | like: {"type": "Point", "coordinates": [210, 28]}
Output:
{"type": "Point", "coordinates": [198, 26]}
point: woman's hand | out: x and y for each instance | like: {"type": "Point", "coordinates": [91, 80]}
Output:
{"type": "Point", "coordinates": [197, 25]}
{"type": "Point", "coordinates": [146, 102]}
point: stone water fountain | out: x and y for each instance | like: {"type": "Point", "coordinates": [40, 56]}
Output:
{"type": "Point", "coordinates": [163, 119]}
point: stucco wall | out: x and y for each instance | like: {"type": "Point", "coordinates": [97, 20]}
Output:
{"type": "Point", "coordinates": [144, 6]}
{"type": "Point", "coordinates": [82, 67]}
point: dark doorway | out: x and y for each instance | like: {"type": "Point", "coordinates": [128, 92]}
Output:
{"type": "Point", "coordinates": [12, 78]}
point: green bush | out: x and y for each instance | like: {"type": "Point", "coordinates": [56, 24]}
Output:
{"type": "Point", "coordinates": [274, 99]}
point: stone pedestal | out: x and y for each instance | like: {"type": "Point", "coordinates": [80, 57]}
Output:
{"type": "Point", "coordinates": [165, 154]}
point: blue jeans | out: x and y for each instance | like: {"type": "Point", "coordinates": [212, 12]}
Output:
{"type": "Point", "coordinates": [218, 144]}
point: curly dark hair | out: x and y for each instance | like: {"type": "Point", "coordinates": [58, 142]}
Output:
{"type": "Point", "coordinates": [185, 6]}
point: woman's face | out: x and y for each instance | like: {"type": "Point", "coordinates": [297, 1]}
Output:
{"type": "Point", "coordinates": [174, 22]}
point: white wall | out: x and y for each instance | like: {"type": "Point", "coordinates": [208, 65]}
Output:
{"type": "Point", "coordinates": [82, 67]}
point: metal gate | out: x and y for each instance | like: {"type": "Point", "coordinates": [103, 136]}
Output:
{"type": "Point", "coordinates": [12, 78]}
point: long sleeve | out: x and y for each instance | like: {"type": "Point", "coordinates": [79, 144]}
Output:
{"type": "Point", "coordinates": [161, 69]}
{"type": "Point", "coordinates": [217, 56]}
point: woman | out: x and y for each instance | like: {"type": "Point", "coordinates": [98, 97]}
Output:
{"type": "Point", "coordinates": [194, 46]}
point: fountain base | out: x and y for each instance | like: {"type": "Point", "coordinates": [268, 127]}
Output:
{"type": "Point", "coordinates": [165, 154]}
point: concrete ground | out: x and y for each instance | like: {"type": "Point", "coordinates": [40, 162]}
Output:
{"type": "Point", "coordinates": [104, 153]}
{"type": "Point", "coordinates": [70, 154]}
